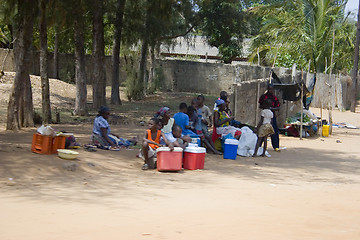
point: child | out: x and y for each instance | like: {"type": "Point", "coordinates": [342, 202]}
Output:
{"type": "Point", "coordinates": [206, 115]}
{"type": "Point", "coordinates": [151, 142]}
{"type": "Point", "coordinates": [176, 138]}
{"type": "Point", "coordinates": [264, 128]}
{"type": "Point", "coordinates": [182, 119]}
{"type": "Point", "coordinates": [205, 138]}
{"type": "Point", "coordinates": [191, 112]}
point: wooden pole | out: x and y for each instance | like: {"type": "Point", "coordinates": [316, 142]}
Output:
{"type": "Point", "coordinates": [356, 63]}
{"type": "Point", "coordinates": [330, 88]}
{"type": "Point", "coordinates": [302, 106]}
{"type": "Point", "coordinates": [321, 116]}
{"type": "Point", "coordinates": [257, 102]}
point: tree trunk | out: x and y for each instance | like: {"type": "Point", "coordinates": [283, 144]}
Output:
{"type": "Point", "coordinates": [115, 94]}
{"type": "Point", "coordinates": [20, 93]}
{"type": "Point", "coordinates": [56, 54]}
{"type": "Point", "coordinates": [99, 77]}
{"type": "Point", "coordinates": [80, 74]}
{"type": "Point", "coordinates": [45, 87]}
{"type": "Point", "coordinates": [27, 107]}
{"type": "Point", "coordinates": [141, 81]}
{"type": "Point", "coordinates": [354, 73]}
{"type": "Point", "coordinates": [151, 82]}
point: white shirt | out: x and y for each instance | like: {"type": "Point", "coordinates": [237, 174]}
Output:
{"type": "Point", "coordinates": [168, 127]}
{"type": "Point", "coordinates": [268, 115]}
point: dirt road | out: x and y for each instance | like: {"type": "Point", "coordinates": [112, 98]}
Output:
{"type": "Point", "coordinates": [311, 190]}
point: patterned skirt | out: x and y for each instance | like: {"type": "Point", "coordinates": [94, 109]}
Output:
{"type": "Point", "coordinates": [265, 129]}
{"type": "Point", "coordinates": [98, 140]}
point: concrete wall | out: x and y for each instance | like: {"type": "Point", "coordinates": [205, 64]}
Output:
{"type": "Point", "coordinates": [210, 78]}
{"type": "Point", "coordinates": [186, 76]}
{"type": "Point", "coordinates": [338, 86]}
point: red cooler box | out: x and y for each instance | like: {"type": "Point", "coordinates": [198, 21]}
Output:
{"type": "Point", "coordinates": [194, 158]}
{"type": "Point", "coordinates": [169, 161]}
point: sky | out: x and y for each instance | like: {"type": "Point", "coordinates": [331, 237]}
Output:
{"type": "Point", "coordinates": [352, 5]}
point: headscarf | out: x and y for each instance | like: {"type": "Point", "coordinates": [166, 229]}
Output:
{"type": "Point", "coordinates": [219, 102]}
{"type": "Point", "coordinates": [103, 109]}
{"type": "Point", "coordinates": [162, 112]}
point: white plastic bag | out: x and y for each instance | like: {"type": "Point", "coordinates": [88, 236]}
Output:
{"type": "Point", "coordinates": [46, 130]}
{"type": "Point", "coordinates": [247, 143]}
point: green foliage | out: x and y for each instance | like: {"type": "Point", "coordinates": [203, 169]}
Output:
{"type": "Point", "coordinates": [300, 31]}
{"type": "Point", "coordinates": [158, 80]}
{"type": "Point", "coordinates": [223, 23]}
{"type": "Point", "coordinates": [131, 60]}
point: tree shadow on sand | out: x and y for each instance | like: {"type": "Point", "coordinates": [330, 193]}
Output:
{"type": "Point", "coordinates": [105, 174]}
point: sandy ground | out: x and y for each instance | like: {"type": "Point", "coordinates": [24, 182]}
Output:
{"type": "Point", "coordinates": [311, 190]}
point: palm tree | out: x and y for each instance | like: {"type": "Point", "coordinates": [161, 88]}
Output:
{"type": "Point", "coordinates": [300, 28]}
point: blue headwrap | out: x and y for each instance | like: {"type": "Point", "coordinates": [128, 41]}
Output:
{"type": "Point", "coordinates": [103, 109]}
{"type": "Point", "coordinates": [219, 102]}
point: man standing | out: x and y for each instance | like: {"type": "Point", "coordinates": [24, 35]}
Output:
{"type": "Point", "coordinates": [275, 106]}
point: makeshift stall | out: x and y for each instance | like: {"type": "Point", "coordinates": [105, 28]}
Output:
{"type": "Point", "coordinates": [310, 125]}
{"type": "Point", "coordinates": [303, 123]}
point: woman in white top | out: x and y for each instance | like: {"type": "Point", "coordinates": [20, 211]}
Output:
{"type": "Point", "coordinates": [264, 127]}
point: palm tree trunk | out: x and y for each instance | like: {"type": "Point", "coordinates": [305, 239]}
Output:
{"type": "Point", "coordinates": [45, 87]}
{"type": "Point", "coordinates": [99, 77]}
{"type": "Point", "coordinates": [115, 94]}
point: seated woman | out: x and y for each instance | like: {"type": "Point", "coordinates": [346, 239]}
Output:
{"type": "Point", "coordinates": [102, 136]}
{"type": "Point", "coordinates": [222, 121]}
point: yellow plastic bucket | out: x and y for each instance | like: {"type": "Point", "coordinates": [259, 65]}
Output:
{"type": "Point", "coordinates": [325, 130]}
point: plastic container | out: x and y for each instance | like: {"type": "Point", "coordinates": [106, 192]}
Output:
{"type": "Point", "coordinates": [44, 144]}
{"type": "Point", "coordinates": [230, 148]}
{"type": "Point", "coordinates": [67, 154]}
{"type": "Point", "coordinates": [196, 140]}
{"type": "Point", "coordinates": [194, 158]}
{"type": "Point", "coordinates": [169, 161]}
{"type": "Point", "coordinates": [325, 130]}
{"type": "Point", "coordinates": [193, 145]}
{"type": "Point", "coordinates": [41, 144]}
{"type": "Point", "coordinates": [58, 143]}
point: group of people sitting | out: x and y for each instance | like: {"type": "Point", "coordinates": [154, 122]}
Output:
{"type": "Point", "coordinates": [190, 122]}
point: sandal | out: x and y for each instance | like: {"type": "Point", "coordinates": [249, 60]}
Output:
{"type": "Point", "coordinates": [145, 167]}
{"type": "Point", "coordinates": [114, 148]}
